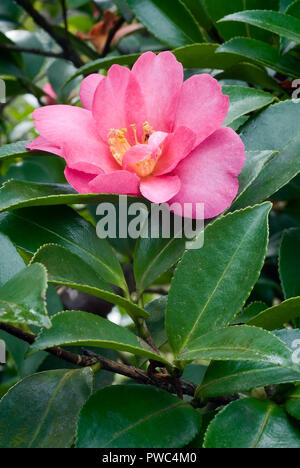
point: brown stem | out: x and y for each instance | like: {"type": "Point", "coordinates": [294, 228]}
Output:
{"type": "Point", "coordinates": [68, 51]}
{"type": "Point", "coordinates": [89, 359]}
{"type": "Point", "coordinates": [112, 32]}
{"type": "Point", "coordinates": [30, 51]}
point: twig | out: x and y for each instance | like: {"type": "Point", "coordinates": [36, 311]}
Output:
{"type": "Point", "coordinates": [110, 37]}
{"type": "Point", "coordinates": [65, 15]}
{"type": "Point", "coordinates": [89, 358]}
{"type": "Point", "coordinates": [30, 51]}
{"type": "Point", "coordinates": [68, 51]}
{"type": "Point", "coordinates": [75, 359]}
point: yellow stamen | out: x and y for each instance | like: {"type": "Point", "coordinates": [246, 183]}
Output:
{"type": "Point", "coordinates": [118, 144]}
{"type": "Point", "coordinates": [145, 168]}
{"type": "Point", "coordinates": [133, 127]}
{"type": "Point", "coordinates": [148, 130]}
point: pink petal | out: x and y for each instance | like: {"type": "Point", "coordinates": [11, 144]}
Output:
{"type": "Point", "coordinates": [135, 154]}
{"type": "Point", "coordinates": [160, 78]}
{"type": "Point", "coordinates": [87, 89]}
{"type": "Point", "coordinates": [74, 130]}
{"type": "Point", "coordinates": [202, 106]}
{"type": "Point", "coordinates": [79, 180]}
{"type": "Point", "coordinates": [160, 189]}
{"type": "Point", "coordinates": [209, 174]}
{"type": "Point", "coordinates": [42, 144]}
{"type": "Point", "coordinates": [118, 103]}
{"type": "Point", "coordinates": [121, 182]}
{"type": "Point", "coordinates": [176, 147]}
{"type": "Point", "coordinates": [47, 88]}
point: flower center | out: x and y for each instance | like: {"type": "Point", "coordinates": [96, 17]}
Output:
{"type": "Point", "coordinates": [119, 145]}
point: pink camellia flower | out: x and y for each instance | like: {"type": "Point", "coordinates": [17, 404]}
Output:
{"type": "Point", "coordinates": [146, 132]}
{"type": "Point", "coordinates": [51, 96]}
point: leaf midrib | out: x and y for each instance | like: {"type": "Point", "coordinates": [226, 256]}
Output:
{"type": "Point", "coordinates": [132, 426]}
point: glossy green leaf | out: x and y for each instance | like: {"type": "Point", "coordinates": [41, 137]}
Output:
{"type": "Point", "coordinates": [274, 128]}
{"type": "Point", "coordinates": [244, 100]}
{"type": "Point", "coordinates": [239, 343]}
{"type": "Point", "coordinates": [42, 409]}
{"type": "Point", "coordinates": [254, 165]}
{"type": "Point", "coordinates": [77, 328]}
{"type": "Point", "coordinates": [20, 194]}
{"type": "Point", "coordinates": [30, 228]}
{"type": "Point", "coordinates": [198, 9]}
{"type": "Point", "coordinates": [275, 173]}
{"type": "Point", "coordinates": [14, 150]}
{"type": "Point", "coordinates": [156, 322]}
{"type": "Point", "coordinates": [282, 24]}
{"type": "Point", "coordinates": [191, 56]}
{"type": "Point", "coordinates": [276, 316]}
{"type": "Point", "coordinates": [154, 254]}
{"type": "Point", "coordinates": [262, 424]}
{"type": "Point", "coordinates": [170, 21]}
{"type": "Point", "coordinates": [217, 9]}
{"type": "Point", "coordinates": [252, 310]}
{"type": "Point", "coordinates": [67, 269]}
{"type": "Point", "coordinates": [294, 9]}
{"type": "Point", "coordinates": [11, 261]}
{"type": "Point", "coordinates": [292, 404]}
{"type": "Point", "coordinates": [22, 298]}
{"type": "Point", "coordinates": [262, 53]}
{"type": "Point", "coordinates": [289, 262]}
{"type": "Point", "coordinates": [134, 416]}
{"type": "Point", "coordinates": [229, 377]}
{"type": "Point", "coordinates": [18, 349]}
{"type": "Point", "coordinates": [211, 284]}
{"type": "Point", "coordinates": [250, 73]}
{"type": "Point", "coordinates": [38, 168]}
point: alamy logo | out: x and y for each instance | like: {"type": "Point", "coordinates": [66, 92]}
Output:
{"type": "Point", "coordinates": [296, 93]}
{"type": "Point", "coordinates": [2, 91]}
{"type": "Point", "coordinates": [2, 352]}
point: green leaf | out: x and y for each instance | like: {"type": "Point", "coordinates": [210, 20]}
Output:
{"type": "Point", "coordinates": [262, 424]}
{"type": "Point", "coordinates": [43, 409]}
{"type": "Point", "coordinates": [211, 284]}
{"type": "Point", "coordinates": [274, 128]}
{"type": "Point", "coordinates": [170, 21]}
{"type": "Point", "coordinates": [292, 404]}
{"type": "Point", "coordinates": [262, 53]}
{"type": "Point", "coordinates": [136, 416]}
{"type": "Point", "coordinates": [191, 56]}
{"type": "Point", "coordinates": [249, 312]}
{"type": "Point", "coordinates": [294, 9]}
{"type": "Point", "coordinates": [22, 298]}
{"type": "Point", "coordinates": [217, 9]}
{"type": "Point", "coordinates": [38, 168]}
{"type": "Point", "coordinates": [154, 254]}
{"type": "Point", "coordinates": [156, 322]}
{"type": "Point", "coordinates": [239, 343]}
{"type": "Point", "coordinates": [244, 100]}
{"type": "Point", "coordinates": [282, 24]}
{"type": "Point", "coordinates": [275, 174]}
{"type": "Point", "coordinates": [198, 9]}
{"type": "Point", "coordinates": [30, 228]}
{"type": "Point", "coordinates": [11, 261]}
{"type": "Point", "coordinates": [14, 150]}
{"type": "Point", "coordinates": [289, 263]}
{"type": "Point", "coordinates": [276, 316]}
{"type": "Point", "coordinates": [229, 377]}
{"type": "Point", "coordinates": [77, 328]}
{"type": "Point", "coordinates": [67, 269]}
{"type": "Point", "coordinates": [254, 165]}
{"type": "Point", "coordinates": [250, 73]}
{"type": "Point", "coordinates": [20, 194]}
